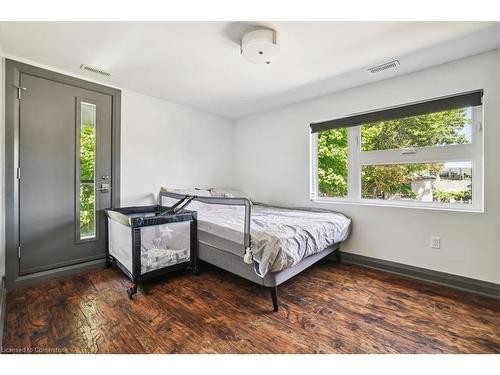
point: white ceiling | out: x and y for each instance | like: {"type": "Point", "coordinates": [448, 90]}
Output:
{"type": "Point", "coordinates": [198, 63]}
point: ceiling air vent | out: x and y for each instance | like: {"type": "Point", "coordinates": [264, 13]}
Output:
{"type": "Point", "coordinates": [388, 65]}
{"type": "Point", "coordinates": [94, 70]}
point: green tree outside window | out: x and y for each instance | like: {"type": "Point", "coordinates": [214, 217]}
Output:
{"type": "Point", "coordinates": [87, 171]}
{"type": "Point", "coordinates": [434, 129]}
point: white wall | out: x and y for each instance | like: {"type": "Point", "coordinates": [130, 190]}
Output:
{"type": "Point", "coordinates": [166, 144]}
{"type": "Point", "coordinates": [272, 164]}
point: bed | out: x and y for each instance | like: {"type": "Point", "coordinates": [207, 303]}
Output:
{"type": "Point", "coordinates": [264, 244]}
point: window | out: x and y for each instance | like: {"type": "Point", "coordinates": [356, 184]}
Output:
{"type": "Point", "coordinates": [87, 156]}
{"type": "Point", "coordinates": [424, 182]}
{"type": "Point", "coordinates": [333, 163]}
{"type": "Point", "coordinates": [427, 154]}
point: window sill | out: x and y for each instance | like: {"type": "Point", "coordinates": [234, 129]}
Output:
{"type": "Point", "coordinates": [398, 204]}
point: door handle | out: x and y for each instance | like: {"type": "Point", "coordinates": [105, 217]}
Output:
{"type": "Point", "coordinates": [105, 188]}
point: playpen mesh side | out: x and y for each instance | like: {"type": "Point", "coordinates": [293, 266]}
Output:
{"type": "Point", "coordinates": [165, 245]}
{"type": "Point", "coordinates": [120, 243]}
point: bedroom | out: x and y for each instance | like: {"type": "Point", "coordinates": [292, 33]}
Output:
{"type": "Point", "coordinates": [235, 187]}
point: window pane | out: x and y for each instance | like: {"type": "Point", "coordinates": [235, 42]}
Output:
{"type": "Point", "coordinates": [433, 129]}
{"type": "Point", "coordinates": [447, 182]}
{"type": "Point", "coordinates": [87, 170]}
{"type": "Point", "coordinates": [332, 163]}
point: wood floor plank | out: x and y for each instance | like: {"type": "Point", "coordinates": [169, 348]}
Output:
{"type": "Point", "coordinates": [329, 308]}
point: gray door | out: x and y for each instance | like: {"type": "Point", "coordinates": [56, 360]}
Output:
{"type": "Point", "coordinates": [65, 169]}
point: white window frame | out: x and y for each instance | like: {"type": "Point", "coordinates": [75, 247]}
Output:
{"type": "Point", "coordinates": [472, 151]}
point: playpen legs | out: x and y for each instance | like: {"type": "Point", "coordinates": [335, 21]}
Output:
{"type": "Point", "coordinates": [132, 290]}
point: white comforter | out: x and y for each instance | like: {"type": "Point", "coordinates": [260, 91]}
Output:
{"type": "Point", "coordinates": [281, 237]}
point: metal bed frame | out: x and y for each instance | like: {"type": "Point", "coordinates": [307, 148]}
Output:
{"type": "Point", "coordinates": [233, 263]}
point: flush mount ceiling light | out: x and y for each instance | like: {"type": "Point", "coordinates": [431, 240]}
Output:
{"type": "Point", "coordinates": [260, 45]}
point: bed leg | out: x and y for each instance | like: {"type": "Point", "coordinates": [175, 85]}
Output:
{"type": "Point", "coordinates": [338, 256]}
{"type": "Point", "coordinates": [274, 296]}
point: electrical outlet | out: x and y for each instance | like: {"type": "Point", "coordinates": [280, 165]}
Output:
{"type": "Point", "coordinates": [436, 242]}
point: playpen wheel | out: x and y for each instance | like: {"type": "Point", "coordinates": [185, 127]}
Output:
{"type": "Point", "coordinates": [131, 291]}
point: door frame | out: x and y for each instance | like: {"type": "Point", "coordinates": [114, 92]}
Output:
{"type": "Point", "coordinates": [13, 70]}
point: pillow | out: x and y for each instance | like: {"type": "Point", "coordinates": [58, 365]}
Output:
{"type": "Point", "coordinates": [228, 193]}
{"type": "Point", "coordinates": [194, 191]}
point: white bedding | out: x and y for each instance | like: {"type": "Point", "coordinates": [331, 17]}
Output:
{"type": "Point", "coordinates": [281, 237]}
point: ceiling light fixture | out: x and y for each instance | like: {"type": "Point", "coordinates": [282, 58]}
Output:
{"type": "Point", "coordinates": [260, 45]}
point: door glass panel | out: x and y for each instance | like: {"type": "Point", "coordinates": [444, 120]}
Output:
{"type": "Point", "coordinates": [87, 170]}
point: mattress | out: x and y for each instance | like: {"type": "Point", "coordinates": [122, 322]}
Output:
{"type": "Point", "coordinates": [281, 237]}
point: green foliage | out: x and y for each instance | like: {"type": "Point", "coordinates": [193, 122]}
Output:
{"type": "Point", "coordinates": [87, 216]}
{"type": "Point", "coordinates": [87, 193]}
{"type": "Point", "coordinates": [394, 181]}
{"type": "Point", "coordinates": [87, 152]}
{"type": "Point", "coordinates": [449, 196]}
{"type": "Point", "coordinates": [433, 129]}
{"type": "Point", "coordinates": [332, 162]}
{"type": "Point", "coordinates": [387, 181]}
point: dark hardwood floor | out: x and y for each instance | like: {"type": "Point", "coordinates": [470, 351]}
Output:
{"type": "Point", "coordinates": [329, 308]}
